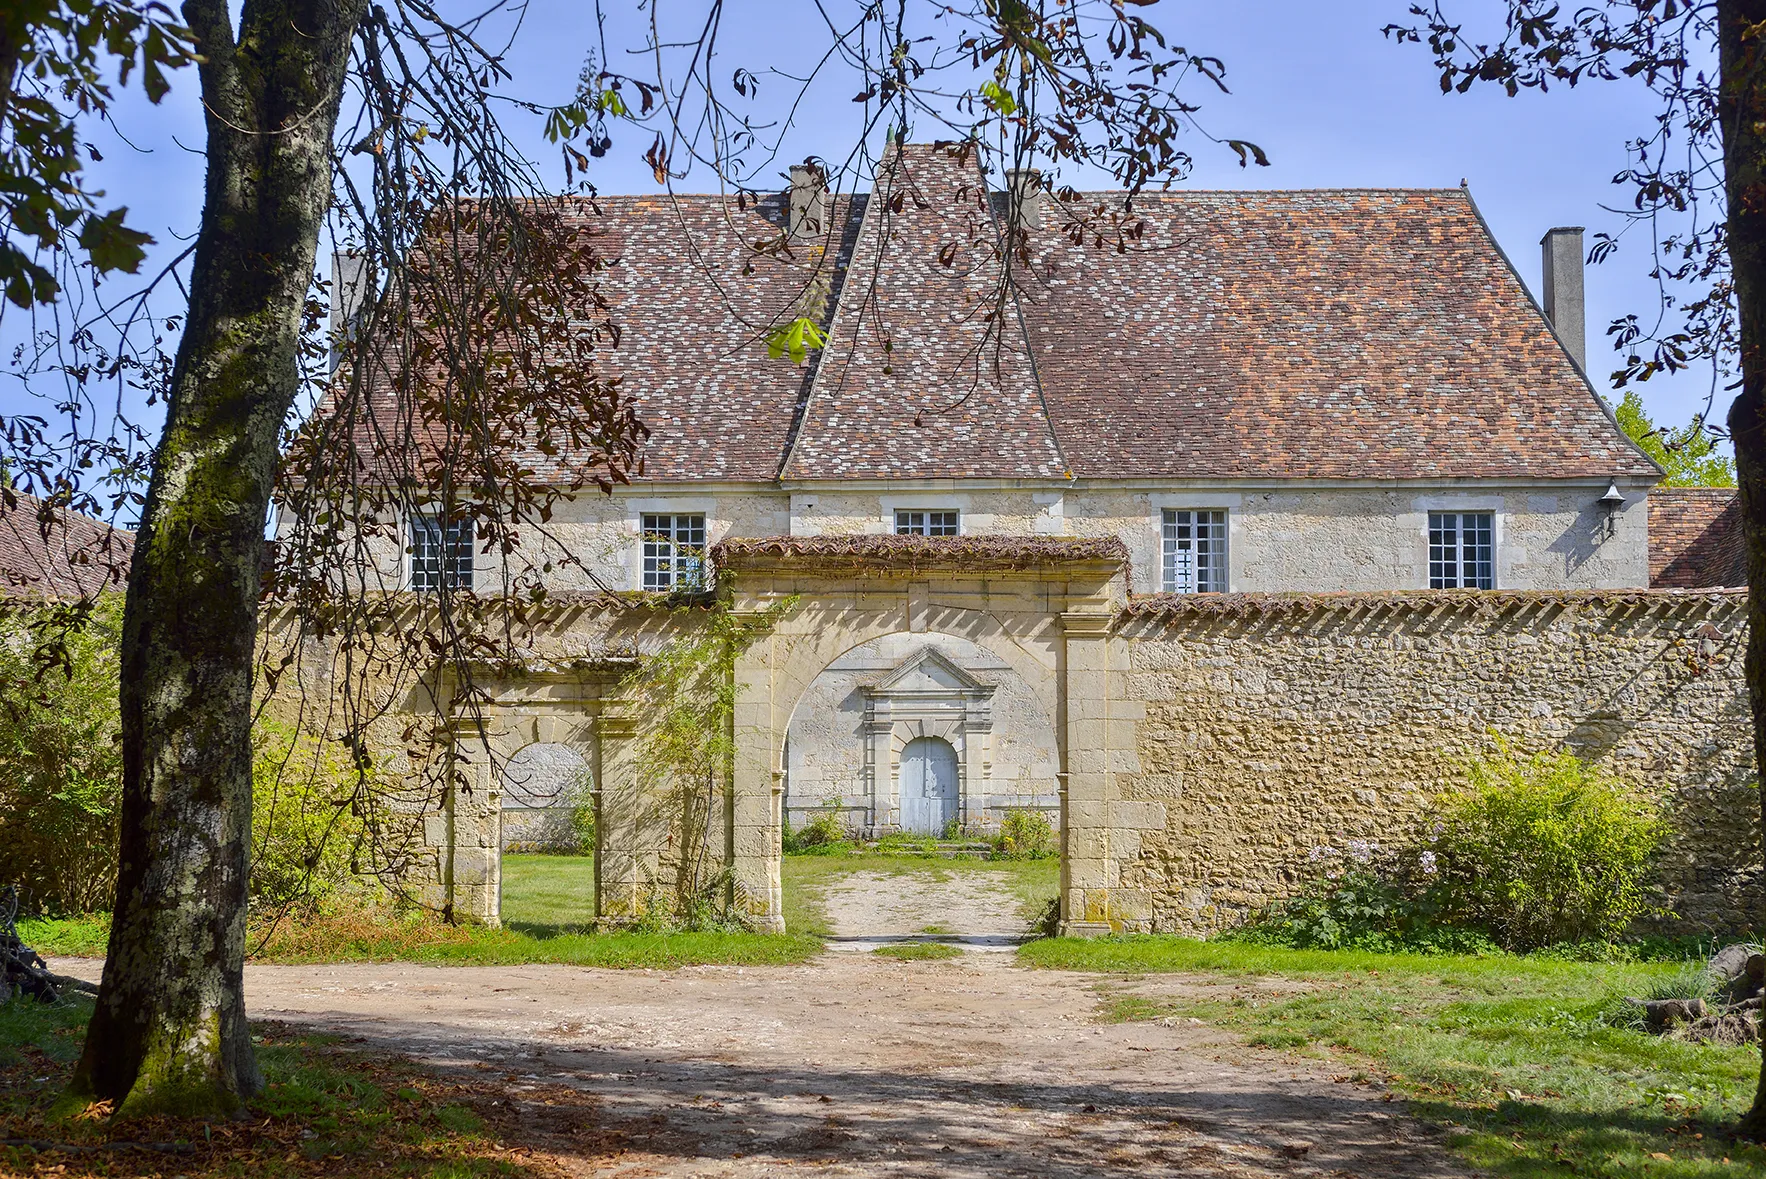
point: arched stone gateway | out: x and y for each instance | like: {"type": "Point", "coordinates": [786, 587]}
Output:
{"type": "Point", "coordinates": [1201, 744]}
{"type": "Point", "coordinates": [1041, 608]}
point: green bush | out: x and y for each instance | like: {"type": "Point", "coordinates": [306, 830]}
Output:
{"type": "Point", "coordinates": [1025, 834]}
{"type": "Point", "coordinates": [1545, 853]}
{"type": "Point", "coordinates": [1365, 897]}
{"type": "Point", "coordinates": [826, 834]}
{"type": "Point", "coordinates": [306, 821]}
{"type": "Point", "coordinates": [61, 765]}
{"type": "Point", "coordinates": [61, 778]}
{"type": "Point", "coordinates": [1546, 850]}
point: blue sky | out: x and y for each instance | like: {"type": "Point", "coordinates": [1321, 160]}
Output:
{"type": "Point", "coordinates": [1334, 102]}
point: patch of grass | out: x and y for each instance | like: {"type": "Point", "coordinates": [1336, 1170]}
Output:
{"type": "Point", "coordinates": [1509, 1052]}
{"type": "Point", "coordinates": [545, 896]}
{"type": "Point", "coordinates": [919, 951]}
{"type": "Point", "coordinates": [326, 1109]}
{"type": "Point", "coordinates": [548, 902]}
{"type": "Point", "coordinates": [73, 937]}
{"type": "Point", "coordinates": [381, 938]}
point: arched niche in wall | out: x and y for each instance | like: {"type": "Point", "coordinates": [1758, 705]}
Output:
{"type": "Point", "coordinates": [542, 785]}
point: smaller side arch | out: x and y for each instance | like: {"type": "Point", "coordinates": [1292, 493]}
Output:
{"type": "Point", "coordinates": [543, 784]}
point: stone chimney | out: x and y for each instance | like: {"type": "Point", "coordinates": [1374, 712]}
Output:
{"type": "Point", "coordinates": [810, 205]}
{"type": "Point", "coordinates": [349, 292]}
{"type": "Point", "coordinates": [1562, 250]}
{"type": "Point", "coordinates": [1024, 197]}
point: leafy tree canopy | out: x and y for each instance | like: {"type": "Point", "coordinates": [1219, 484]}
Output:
{"type": "Point", "coordinates": [1687, 453]}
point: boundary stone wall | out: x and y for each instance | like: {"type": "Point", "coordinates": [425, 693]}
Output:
{"type": "Point", "coordinates": [1277, 723]}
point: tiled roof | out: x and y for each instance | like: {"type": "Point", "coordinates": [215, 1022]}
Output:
{"type": "Point", "coordinates": [1695, 538]}
{"type": "Point", "coordinates": [75, 556]}
{"type": "Point", "coordinates": [693, 285]}
{"type": "Point", "coordinates": [923, 375]}
{"type": "Point", "coordinates": [691, 349]}
{"type": "Point", "coordinates": [1353, 334]}
{"type": "Point", "coordinates": [1339, 334]}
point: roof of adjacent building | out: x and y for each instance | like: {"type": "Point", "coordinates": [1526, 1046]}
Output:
{"type": "Point", "coordinates": [1695, 538]}
{"type": "Point", "coordinates": [1344, 334]}
{"type": "Point", "coordinates": [51, 552]}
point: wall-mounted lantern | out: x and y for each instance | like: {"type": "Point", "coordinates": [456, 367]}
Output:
{"type": "Point", "coordinates": [1610, 503]}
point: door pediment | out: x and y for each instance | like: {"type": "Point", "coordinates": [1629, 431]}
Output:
{"type": "Point", "coordinates": [929, 672]}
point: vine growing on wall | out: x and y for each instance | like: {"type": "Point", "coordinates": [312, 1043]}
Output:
{"type": "Point", "coordinates": [684, 697]}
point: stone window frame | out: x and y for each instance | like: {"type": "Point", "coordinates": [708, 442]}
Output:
{"type": "Point", "coordinates": [1150, 555]}
{"type": "Point", "coordinates": [1468, 529]}
{"type": "Point", "coordinates": [1494, 506]}
{"type": "Point", "coordinates": [925, 525]}
{"type": "Point", "coordinates": [923, 501]}
{"type": "Point", "coordinates": [635, 511]}
{"type": "Point", "coordinates": [1218, 574]}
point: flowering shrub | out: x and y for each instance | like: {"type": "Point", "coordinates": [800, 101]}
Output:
{"type": "Point", "coordinates": [1536, 852]}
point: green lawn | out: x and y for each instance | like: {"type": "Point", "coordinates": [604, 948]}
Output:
{"type": "Point", "coordinates": [548, 895]}
{"type": "Point", "coordinates": [1508, 1052]}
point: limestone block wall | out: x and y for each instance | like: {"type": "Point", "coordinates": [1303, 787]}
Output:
{"type": "Point", "coordinates": [1272, 726]}
{"type": "Point", "coordinates": [1014, 765]}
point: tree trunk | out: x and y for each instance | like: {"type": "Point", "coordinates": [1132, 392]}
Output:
{"type": "Point", "coordinates": [1743, 112]}
{"type": "Point", "coordinates": [169, 1033]}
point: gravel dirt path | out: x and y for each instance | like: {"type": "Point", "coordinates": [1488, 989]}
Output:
{"type": "Point", "coordinates": [856, 1065]}
{"type": "Point", "coordinates": [860, 1065]}
{"type": "Point", "coordinates": [870, 909]}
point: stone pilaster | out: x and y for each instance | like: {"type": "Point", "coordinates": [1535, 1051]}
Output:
{"type": "Point", "coordinates": [471, 863]}
{"type": "Point", "coordinates": [621, 880]}
{"type": "Point", "coordinates": [1101, 829]}
{"type": "Point", "coordinates": [757, 791]}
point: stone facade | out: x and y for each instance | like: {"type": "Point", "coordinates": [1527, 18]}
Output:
{"type": "Point", "coordinates": [1195, 748]}
{"type": "Point", "coordinates": [846, 735]}
{"type": "Point", "coordinates": [1282, 535]}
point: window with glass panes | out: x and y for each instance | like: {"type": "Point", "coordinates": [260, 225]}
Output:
{"type": "Point", "coordinates": [1462, 550]}
{"type": "Point", "coordinates": [441, 553]}
{"type": "Point", "coordinates": [674, 551]}
{"type": "Point", "coordinates": [1195, 552]}
{"type": "Point", "coordinates": [914, 522]}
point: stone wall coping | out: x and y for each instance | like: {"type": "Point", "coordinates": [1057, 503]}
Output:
{"type": "Point", "coordinates": [909, 554]}
{"type": "Point", "coordinates": [1156, 606]}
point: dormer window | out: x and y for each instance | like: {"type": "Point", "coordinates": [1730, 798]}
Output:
{"type": "Point", "coordinates": [915, 522]}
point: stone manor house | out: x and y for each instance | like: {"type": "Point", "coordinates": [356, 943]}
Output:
{"type": "Point", "coordinates": [1216, 542]}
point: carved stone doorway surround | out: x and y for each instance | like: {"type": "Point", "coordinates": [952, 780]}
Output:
{"type": "Point", "coordinates": [927, 696]}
